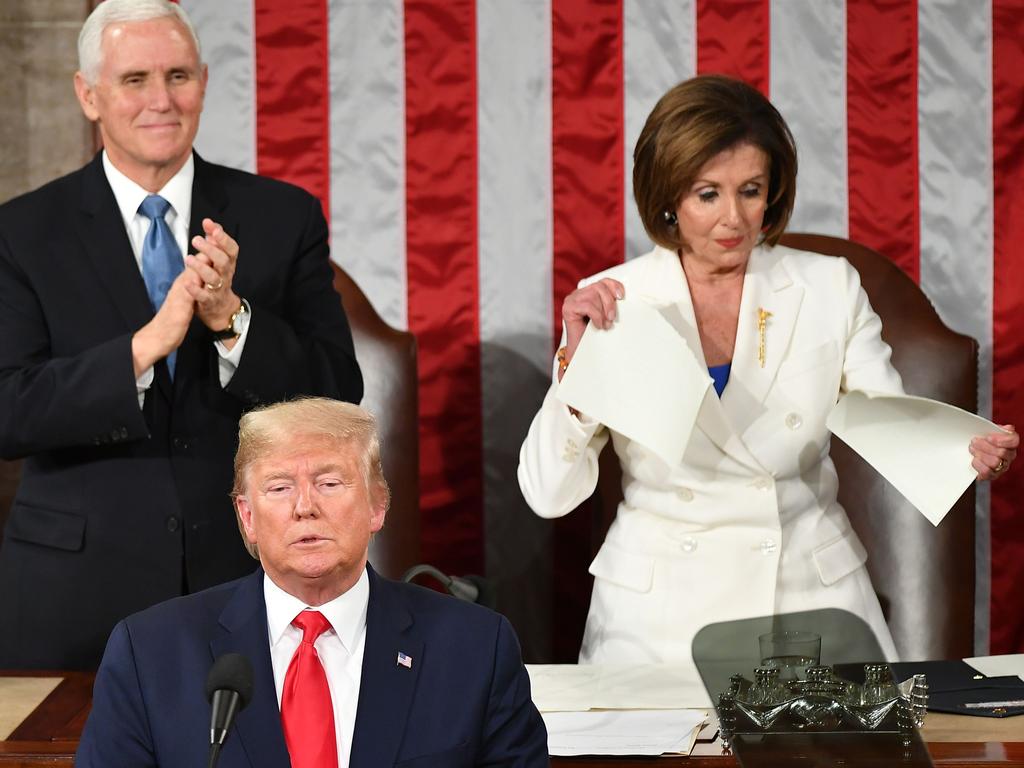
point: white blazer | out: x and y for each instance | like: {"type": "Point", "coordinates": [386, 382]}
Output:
{"type": "Point", "coordinates": [748, 523]}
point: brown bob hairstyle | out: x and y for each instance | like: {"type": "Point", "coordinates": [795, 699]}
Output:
{"type": "Point", "coordinates": [691, 124]}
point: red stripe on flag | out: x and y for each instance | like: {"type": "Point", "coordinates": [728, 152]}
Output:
{"type": "Point", "coordinates": [588, 228]}
{"type": "Point", "coordinates": [586, 142]}
{"type": "Point", "coordinates": [733, 39]}
{"type": "Point", "coordinates": [881, 96]}
{"type": "Point", "coordinates": [293, 94]}
{"type": "Point", "coordinates": [443, 275]}
{"type": "Point", "coordinates": [1007, 618]}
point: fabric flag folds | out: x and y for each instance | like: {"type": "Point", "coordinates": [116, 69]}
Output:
{"type": "Point", "coordinates": [474, 157]}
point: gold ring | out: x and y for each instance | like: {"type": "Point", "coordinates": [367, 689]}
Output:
{"type": "Point", "coordinates": [217, 287]}
{"type": "Point", "coordinates": [1001, 465]}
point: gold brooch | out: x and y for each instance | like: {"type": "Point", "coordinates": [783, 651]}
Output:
{"type": "Point", "coordinates": [762, 324]}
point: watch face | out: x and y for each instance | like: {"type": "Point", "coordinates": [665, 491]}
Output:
{"type": "Point", "coordinates": [236, 320]}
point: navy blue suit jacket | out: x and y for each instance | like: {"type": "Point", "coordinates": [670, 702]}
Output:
{"type": "Point", "coordinates": [119, 507]}
{"type": "Point", "coordinates": [464, 702]}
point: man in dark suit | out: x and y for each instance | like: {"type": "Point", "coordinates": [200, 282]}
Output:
{"type": "Point", "coordinates": [407, 676]}
{"type": "Point", "coordinates": [146, 301]}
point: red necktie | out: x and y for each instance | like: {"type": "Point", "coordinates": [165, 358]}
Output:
{"type": "Point", "coordinates": [307, 714]}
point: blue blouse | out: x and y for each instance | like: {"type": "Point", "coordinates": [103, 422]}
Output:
{"type": "Point", "coordinates": [720, 374]}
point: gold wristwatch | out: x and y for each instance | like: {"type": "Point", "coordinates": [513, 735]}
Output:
{"type": "Point", "coordinates": [234, 329]}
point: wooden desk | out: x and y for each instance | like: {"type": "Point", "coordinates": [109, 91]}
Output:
{"type": "Point", "coordinates": [49, 736]}
{"type": "Point", "coordinates": [996, 742]}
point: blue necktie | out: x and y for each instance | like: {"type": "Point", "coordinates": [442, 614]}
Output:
{"type": "Point", "coordinates": [161, 259]}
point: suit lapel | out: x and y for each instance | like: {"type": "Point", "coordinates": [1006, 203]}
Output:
{"type": "Point", "coordinates": [386, 688]}
{"type": "Point", "coordinates": [244, 630]}
{"type": "Point", "coordinates": [767, 288]}
{"type": "Point", "coordinates": [107, 247]}
{"type": "Point", "coordinates": [209, 201]}
{"type": "Point", "coordinates": [666, 285]}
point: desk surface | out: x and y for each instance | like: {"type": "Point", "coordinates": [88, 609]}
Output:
{"type": "Point", "coordinates": [49, 736]}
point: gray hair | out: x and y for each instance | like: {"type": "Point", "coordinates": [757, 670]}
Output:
{"type": "Point", "coordinates": [90, 39]}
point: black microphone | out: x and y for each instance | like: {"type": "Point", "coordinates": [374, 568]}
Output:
{"type": "Point", "coordinates": [229, 690]}
{"type": "Point", "coordinates": [472, 589]}
{"type": "Point", "coordinates": [483, 589]}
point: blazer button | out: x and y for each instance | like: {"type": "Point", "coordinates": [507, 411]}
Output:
{"type": "Point", "coordinates": [688, 544]}
{"type": "Point", "coordinates": [793, 421]}
{"type": "Point", "coordinates": [571, 451]}
{"type": "Point", "coordinates": [768, 547]}
{"type": "Point", "coordinates": [684, 494]}
{"type": "Point", "coordinates": [172, 523]}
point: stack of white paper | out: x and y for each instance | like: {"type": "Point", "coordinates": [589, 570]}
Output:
{"type": "Point", "coordinates": [623, 732]}
{"type": "Point", "coordinates": [593, 709]}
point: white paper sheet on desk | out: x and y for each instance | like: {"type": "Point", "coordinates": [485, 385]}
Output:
{"type": "Point", "coordinates": [999, 666]}
{"type": "Point", "coordinates": [640, 378]}
{"type": "Point", "coordinates": [579, 687]}
{"type": "Point", "coordinates": [631, 732]}
{"type": "Point", "coordinates": [918, 445]}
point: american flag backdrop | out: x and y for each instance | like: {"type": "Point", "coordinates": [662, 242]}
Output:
{"type": "Point", "coordinates": [474, 158]}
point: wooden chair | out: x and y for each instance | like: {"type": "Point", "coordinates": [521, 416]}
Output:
{"type": "Point", "coordinates": [388, 360]}
{"type": "Point", "coordinates": [923, 575]}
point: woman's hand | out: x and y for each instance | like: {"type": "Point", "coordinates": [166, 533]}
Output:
{"type": "Point", "coordinates": [994, 453]}
{"type": "Point", "coordinates": [594, 303]}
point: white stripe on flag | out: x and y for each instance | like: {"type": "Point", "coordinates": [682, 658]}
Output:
{"type": "Point", "coordinates": [227, 131]}
{"type": "Point", "coordinates": [808, 86]}
{"type": "Point", "coordinates": [367, 71]}
{"type": "Point", "coordinates": [955, 160]}
{"type": "Point", "coordinates": [659, 50]}
{"type": "Point", "coordinates": [514, 221]}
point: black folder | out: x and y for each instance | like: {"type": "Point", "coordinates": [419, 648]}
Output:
{"type": "Point", "coordinates": [958, 688]}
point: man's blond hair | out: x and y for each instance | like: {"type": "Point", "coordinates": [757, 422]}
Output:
{"type": "Point", "coordinates": [342, 425]}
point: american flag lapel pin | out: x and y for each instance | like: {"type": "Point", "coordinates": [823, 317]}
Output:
{"type": "Point", "coordinates": [404, 660]}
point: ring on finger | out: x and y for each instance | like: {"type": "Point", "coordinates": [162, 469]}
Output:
{"type": "Point", "coordinates": [1000, 466]}
{"type": "Point", "coordinates": [215, 286]}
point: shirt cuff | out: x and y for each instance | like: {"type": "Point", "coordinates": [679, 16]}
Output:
{"type": "Point", "coordinates": [229, 359]}
{"type": "Point", "coordinates": [142, 385]}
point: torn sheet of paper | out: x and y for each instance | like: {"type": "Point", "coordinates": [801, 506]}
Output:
{"type": "Point", "coordinates": [919, 445]}
{"type": "Point", "coordinates": [639, 378]}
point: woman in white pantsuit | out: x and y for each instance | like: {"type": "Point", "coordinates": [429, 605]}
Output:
{"type": "Point", "coordinates": [748, 523]}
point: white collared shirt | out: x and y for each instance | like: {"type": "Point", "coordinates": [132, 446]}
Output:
{"type": "Point", "coordinates": [340, 649]}
{"type": "Point", "coordinates": [177, 192]}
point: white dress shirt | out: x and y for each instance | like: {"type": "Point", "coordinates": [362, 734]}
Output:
{"type": "Point", "coordinates": [177, 192]}
{"type": "Point", "coordinates": [340, 649]}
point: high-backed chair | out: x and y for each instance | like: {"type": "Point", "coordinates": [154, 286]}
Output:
{"type": "Point", "coordinates": [923, 575]}
{"type": "Point", "coordinates": [388, 360]}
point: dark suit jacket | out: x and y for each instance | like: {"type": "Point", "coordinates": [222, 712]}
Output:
{"type": "Point", "coordinates": [120, 508]}
{"type": "Point", "coordinates": [465, 701]}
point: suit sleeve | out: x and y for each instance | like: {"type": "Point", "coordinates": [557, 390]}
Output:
{"type": "Point", "coordinates": [303, 347]}
{"type": "Point", "coordinates": [514, 734]}
{"type": "Point", "coordinates": [49, 400]}
{"type": "Point", "coordinates": [867, 360]}
{"type": "Point", "coordinates": [558, 461]}
{"type": "Point", "coordinates": [117, 731]}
